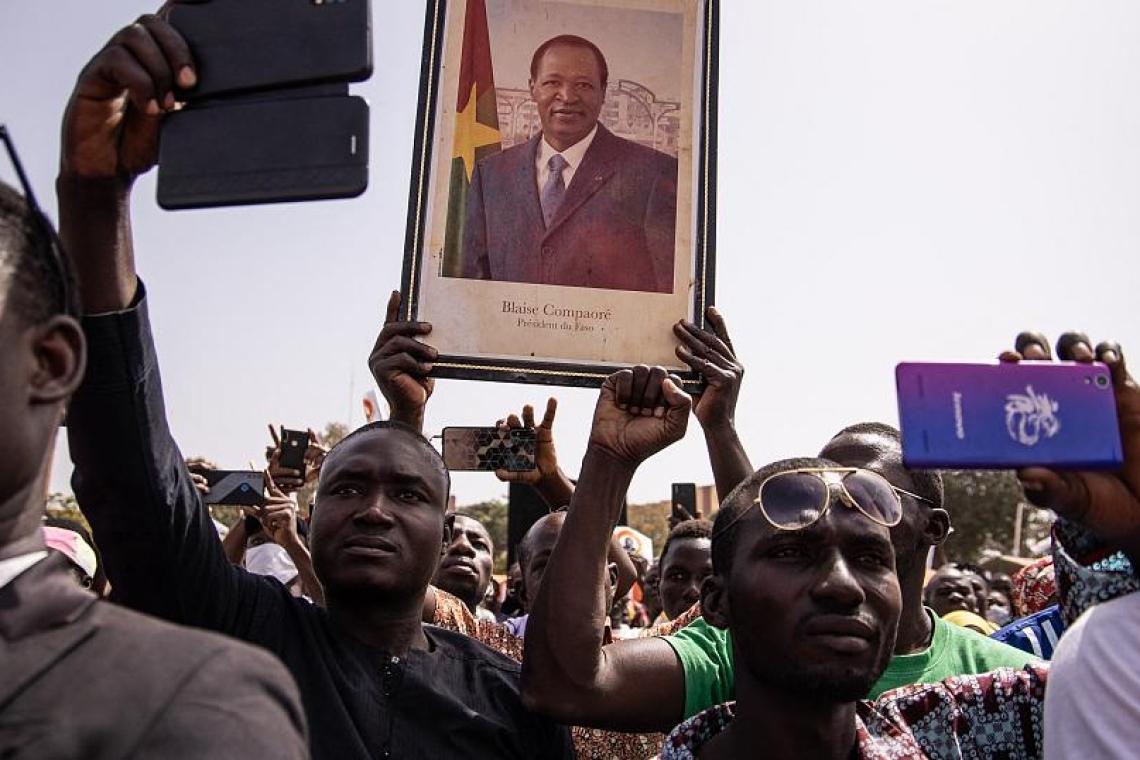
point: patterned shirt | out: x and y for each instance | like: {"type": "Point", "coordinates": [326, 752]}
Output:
{"type": "Point", "coordinates": [993, 715]}
{"type": "Point", "coordinates": [589, 743]}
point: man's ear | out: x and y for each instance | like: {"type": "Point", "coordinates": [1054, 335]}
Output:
{"type": "Point", "coordinates": [60, 352]}
{"type": "Point", "coordinates": [448, 526]}
{"type": "Point", "coordinates": [937, 527]}
{"type": "Point", "coordinates": [714, 602]}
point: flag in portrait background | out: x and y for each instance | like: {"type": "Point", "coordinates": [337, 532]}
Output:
{"type": "Point", "coordinates": [476, 128]}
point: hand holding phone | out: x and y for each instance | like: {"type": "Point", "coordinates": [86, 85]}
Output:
{"type": "Point", "coordinates": [684, 504]}
{"type": "Point", "coordinates": [1105, 503]}
{"type": "Point", "coordinates": [488, 449]}
{"type": "Point", "coordinates": [1006, 416]}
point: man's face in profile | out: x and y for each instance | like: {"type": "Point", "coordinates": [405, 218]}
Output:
{"type": "Point", "coordinates": [567, 86]}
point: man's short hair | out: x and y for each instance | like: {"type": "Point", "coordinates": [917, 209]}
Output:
{"type": "Point", "coordinates": [927, 483]}
{"type": "Point", "coordinates": [433, 455]}
{"type": "Point", "coordinates": [35, 281]}
{"type": "Point", "coordinates": [571, 40]}
{"type": "Point", "coordinates": [732, 509]}
{"type": "Point", "coordinates": [687, 529]}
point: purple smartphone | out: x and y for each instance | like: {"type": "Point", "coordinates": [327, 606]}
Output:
{"type": "Point", "coordinates": [1005, 416]}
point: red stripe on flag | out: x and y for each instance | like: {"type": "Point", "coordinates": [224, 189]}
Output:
{"type": "Point", "coordinates": [475, 67]}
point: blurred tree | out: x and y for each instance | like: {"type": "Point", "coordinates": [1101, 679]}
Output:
{"type": "Point", "coordinates": [333, 434]}
{"type": "Point", "coordinates": [652, 520]}
{"type": "Point", "coordinates": [64, 506]}
{"type": "Point", "coordinates": [983, 508]}
{"type": "Point", "coordinates": [493, 515]}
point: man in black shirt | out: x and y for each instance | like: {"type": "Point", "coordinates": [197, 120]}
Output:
{"type": "Point", "coordinates": [374, 680]}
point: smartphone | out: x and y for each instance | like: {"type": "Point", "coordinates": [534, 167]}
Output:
{"type": "Point", "coordinates": [264, 150]}
{"type": "Point", "coordinates": [238, 488]}
{"type": "Point", "coordinates": [488, 448]}
{"type": "Point", "coordinates": [684, 501]}
{"type": "Point", "coordinates": [294, 444]}
{"type": "Point", "coordinates": [1005, 416]}
{"type": "Point", "coordinates": [243, 45]}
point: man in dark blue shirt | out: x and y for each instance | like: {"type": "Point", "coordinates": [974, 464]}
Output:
{"type": "Point", "coordinates": [374, 680]}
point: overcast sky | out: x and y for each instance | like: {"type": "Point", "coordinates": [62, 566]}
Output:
{"type": "Point", "coordinates": [905, 180]}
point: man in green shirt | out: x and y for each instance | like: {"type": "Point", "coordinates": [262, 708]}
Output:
{"type": "Point", "coordinates": [693, 669]}
{"type": "Point", "coordinates": [927, 649]}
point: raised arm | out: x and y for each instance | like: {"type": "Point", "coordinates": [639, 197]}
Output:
{"type": "Point", "coordinates": [636, 685]}
{"type": "Point", "coordinates": [710, 353]}
{"type": "Point", "coordinates": [552, 484]}
{"type": "Point", "coordinates": [400, 364]}
{"type": "Point", "coordinates": [161, 549]}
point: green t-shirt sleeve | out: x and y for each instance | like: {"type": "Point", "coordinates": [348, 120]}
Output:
{"type": "Point", "coordinates": [705, 653]}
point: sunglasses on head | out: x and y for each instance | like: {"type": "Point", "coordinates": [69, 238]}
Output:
{"type": "Point", "coordinates": [796, 499]}
{"type": "Point", "coordinates": [58, 259]}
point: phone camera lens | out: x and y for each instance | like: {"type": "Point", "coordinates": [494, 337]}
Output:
{"type": "Point", "coordinates": [1101, 381]}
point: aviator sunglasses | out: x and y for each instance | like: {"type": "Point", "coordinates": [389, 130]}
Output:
{"type": "Point", "coordinates": [796, 499]}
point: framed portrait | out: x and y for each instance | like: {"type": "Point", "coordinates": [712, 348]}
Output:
{"type": "Point", "coordinates": [563, 191]}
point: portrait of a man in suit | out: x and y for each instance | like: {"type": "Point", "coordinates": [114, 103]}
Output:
{"type": "Point", "coordinates": [575, 205]}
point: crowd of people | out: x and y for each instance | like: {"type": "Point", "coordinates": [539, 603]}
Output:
{"type": "Point", "coordinates": [802, 621]}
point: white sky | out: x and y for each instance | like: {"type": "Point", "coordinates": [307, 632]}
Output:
{"type": "Point", "coordinates": [908, 180]}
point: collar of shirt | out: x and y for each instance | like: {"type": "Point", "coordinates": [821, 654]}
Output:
{"type": "Point", "coordinates": [10, 568]}
{"type": "Point", "coordinates": [573, 155]}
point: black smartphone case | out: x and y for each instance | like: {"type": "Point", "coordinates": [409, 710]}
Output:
{"type": "Point", "coordinates": [294, 443]}
{"type": "Point", "coordinates": [248, 151]}
{"type": "Point", "coordinates": [243, 45]}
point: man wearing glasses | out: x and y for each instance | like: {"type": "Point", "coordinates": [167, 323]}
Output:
{"type": "Point", "coordinates": [804, 579]}
{"type": "Point", "coordinates": [694, 668]}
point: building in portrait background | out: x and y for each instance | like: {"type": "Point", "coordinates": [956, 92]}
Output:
{"type": "Point", "coordinates": [631, 111]}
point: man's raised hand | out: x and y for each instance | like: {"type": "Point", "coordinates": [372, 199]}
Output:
{"type": "Point", "coordinates": [545, 457]}
{"type": "Point", "coordinates": [278, 514]}
{"type": "Point", "coordinates": [640, 411]}
{"type": "Point", "coordinates": [1106, 503]}
{"type": "Point", "coordinates": [401, 363]}
{"type": "Point", "coordinates": [111, 126]}
{"type": "Point", "coordinates": [710, 353]}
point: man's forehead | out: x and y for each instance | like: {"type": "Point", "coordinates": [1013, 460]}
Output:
{"type": "Point", "coordinates": [543, 534]}
{"type": "Point", "coordinates": [569, 54]}
{"type": "Point", "coordinates": [948, 575]}
{"type": "Point", "coordinates": [382, 453]}
{"type": "Point", "coordinates": [871, 451]}
{"type": "Point", "coordinates": [468, 525]}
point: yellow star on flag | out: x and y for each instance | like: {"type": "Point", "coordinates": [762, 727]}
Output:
{"type": "Point", "coordinates": [470, 135]}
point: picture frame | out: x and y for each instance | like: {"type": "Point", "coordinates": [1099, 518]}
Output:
{"type": "Point", "coordinates": [562, 273]}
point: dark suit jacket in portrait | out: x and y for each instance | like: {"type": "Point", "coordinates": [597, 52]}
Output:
{"type": "Point", "coordinates": [81, 678]}
{"type": "Point", "coordinates": [614, 229]}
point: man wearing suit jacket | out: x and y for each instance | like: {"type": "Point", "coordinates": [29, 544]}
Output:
{"type": "Point", "coordinates": [81, 677]}
{"type": "Point", "coordinates": [575, 205]}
